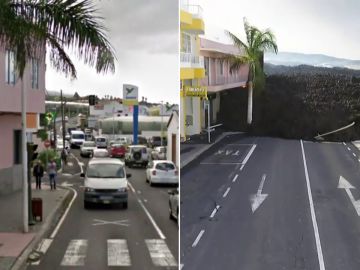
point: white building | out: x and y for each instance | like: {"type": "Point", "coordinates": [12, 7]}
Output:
{"type": "Point", "coordinates": [173, 138]}
{"type": "Point", "coordinates": [115, 108]}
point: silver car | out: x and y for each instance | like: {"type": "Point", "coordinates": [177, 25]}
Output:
{"type": "Point", "coordinates": [87, 149]}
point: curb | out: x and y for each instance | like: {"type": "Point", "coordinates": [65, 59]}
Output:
{"type": "Point", "coordinates": [207, 147]}
{"type": "Point", "coordinates": [50, 222]}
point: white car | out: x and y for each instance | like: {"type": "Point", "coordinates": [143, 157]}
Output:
{"type": "Point", "coordinates": [60, 146]}
{"type": "Point", "coordinates": [159, 153]}
{"type": "Point", "coordinates": [122, 140]}
{"type": "Point", "coordinates": [162, 172]}
{"type": "Point", "coordinates": [174, 204]}
{"type": "Point", "coordinates": [100, 153]}
{"type": "Point", "coordinates": [77, 138]}
{"type": "Point", "coordinates": [87, 149]}
{"type": "Point", "coordinates": [106, 182]}
{"type": "Point", "coordinates": [137, 155]}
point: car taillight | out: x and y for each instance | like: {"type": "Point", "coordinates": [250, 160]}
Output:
{"type": "Point", "coordinates": [153, 172]}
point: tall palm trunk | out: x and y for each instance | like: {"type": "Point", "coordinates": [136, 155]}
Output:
{"type": "Point", "coordinates": [250, 103]}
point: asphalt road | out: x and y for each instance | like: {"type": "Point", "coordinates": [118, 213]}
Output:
{"type": "Point", "coordinates": [104, 236]}
{"type": "Point", "coordinates": [264, 203]}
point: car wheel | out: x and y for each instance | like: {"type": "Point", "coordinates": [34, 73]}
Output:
{"type": "Point", "coordinates": [151, 183]}
{"type": "Point", "coordinates": [125, 205]}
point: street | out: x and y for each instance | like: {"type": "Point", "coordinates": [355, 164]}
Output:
{"type": "Point", "coordinates": [267, 203]}
{"type": "Point", "coordinates": [140, 237]}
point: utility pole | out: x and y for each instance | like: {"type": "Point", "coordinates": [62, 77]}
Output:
{"type": "Point", "coordinates": [62, 120]}
{"type": "Point", "coordinates": [24, 158]}
{"type": "Point", "coordinates": [162, 113]}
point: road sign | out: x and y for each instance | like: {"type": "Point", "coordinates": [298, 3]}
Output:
{"type": "Point", "coordinates": [130, 94]}
{"type": "Point", "coordinates": [47, 143]}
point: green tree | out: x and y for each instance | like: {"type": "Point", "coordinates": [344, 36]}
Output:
{"type": "Point", "coordinates": [27, 26]}
{"type": "Point", "coordinates": [253, 51]}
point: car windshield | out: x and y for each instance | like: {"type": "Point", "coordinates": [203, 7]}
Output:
{"type": "Point", "coordinates": [100, 139]}
{"type": "Point", "coordinates": [78, 136]}
{"type": "Point", "coordinates": [105, 171]}
{"type": "Point", "coordinates": [139, 149]}
{"type": "Point", "coordinates": [89, 144]}
{"type": "Point", "coordinates": [165, 166]}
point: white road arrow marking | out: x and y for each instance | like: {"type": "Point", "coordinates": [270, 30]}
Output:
{"type": "Point", "coordinates": [236, 153]}
{"type": "Point", "coordinates": [258, 198]}
{"type": "Point", "coordinates": [344, 184]}
{"type": "Point", "coordinates": [66, 184]}
{"type": "Point", "coordinates": [228, 152]}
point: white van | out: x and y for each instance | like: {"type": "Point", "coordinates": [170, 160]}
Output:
{"type": "Point", "coordinates": [101, 142]}
{"type": "Point", "coordinates": [106, 182]}
{"type": "Point", "coordinates": [77, 138]}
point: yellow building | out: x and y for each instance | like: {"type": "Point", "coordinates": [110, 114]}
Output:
{"type": "Point", "coordinates": [192, 68]}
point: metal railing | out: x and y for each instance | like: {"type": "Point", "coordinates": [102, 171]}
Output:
{"type": "Point", "coordinates": [191, 60]}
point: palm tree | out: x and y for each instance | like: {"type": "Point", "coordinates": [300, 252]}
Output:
{"type": "Point", "coordinates": [257, 42]}
{"type": "Point", "coordinates": [27, 26]}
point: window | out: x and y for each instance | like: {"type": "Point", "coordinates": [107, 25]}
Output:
{"type": "Point", "coordinates": [186, 43]}
{"type": "Point", "coordinates": [221, 65]}
{"type": "Point", "coordinates": [10, 67]}
{"type": "Point", "coordinates": [206, 64]}
{"type": "Point", "coordinates": [17, 147]}
{"type": "Point", "coordinates": [35, 73]}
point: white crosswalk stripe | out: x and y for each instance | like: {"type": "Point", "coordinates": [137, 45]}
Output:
{"type": "Point", "coordinates": [118, 252]}
{"type": "Point", "coordinates": [75, 253]}
{"type": "Point", "coordinates": [160, 253]}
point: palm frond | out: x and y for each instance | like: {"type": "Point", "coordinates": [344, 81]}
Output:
{"type": "Point", "coordinates": [237, 41]}
{"type": "Point", "coordinates": [237, 61]}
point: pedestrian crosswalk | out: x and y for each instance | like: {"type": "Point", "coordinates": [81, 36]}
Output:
{"type": "Point", "coordinates": [118, 253]}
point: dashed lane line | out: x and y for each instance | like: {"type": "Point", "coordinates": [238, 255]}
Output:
{"type": "Point", "coordinates": [226, 192]}
{"type": "Point", "coordinates": [235, 177]}
{"type": "Point", "coordinates": [349, 148]}
{"type": "Point", "coordinates": [354, 154]}
{"type": "Point", "coordinates": [214, 211]}
{"type": "Point", "coordinates": [198, 238]}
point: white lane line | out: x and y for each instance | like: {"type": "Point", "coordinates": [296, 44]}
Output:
{"type": "Point", "coordinates": [65, 214]}
{"type": "Point", "coordinates": [118, 252]}
{"type": "Point", "coordinates": [349, 148]}
{"type": "Point", "coordinates": [223, 163]}
{"type": "Point", "coordinates": [359, 159]}
{"type": "Point", "coordinates": [235, 177]}
{"type": "Point", "coordinates": [75, 253]}
{"type": "Point", "coordinates": [198, 238]}
{"type": "Point", "coordinates": [344, 143]}
{"type": "Point", "coordinates": [214, 211]}
{"type": "Point", "coordinates": [162, 236]}
{"type": "Point", "coordinates": [354, 154]}
{"type": "Point", "coordinates": [249, 155]}
{"type": "Point", "coordinates": [42, 248]}
{"type": "Point", "coordinates": [242, 167]}
{"type": "Point", "coordinates": [226, 192]}
{"type": "Point", "coordinates": [78, 161]}
{"type": "Point", "coordinates": [160, 253]}
{"type": "Point", "coordinates": [181, 266]}
{"type": "Point", "coordinates": [312, 211]}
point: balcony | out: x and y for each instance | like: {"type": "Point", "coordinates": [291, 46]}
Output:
{"type": "Point", "coordinates": [189, 60]}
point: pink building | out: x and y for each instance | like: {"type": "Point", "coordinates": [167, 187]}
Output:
{"type": "Point", "coordinates": [10, 114]}
{"type": "Point", "coordinates": [217, 74]}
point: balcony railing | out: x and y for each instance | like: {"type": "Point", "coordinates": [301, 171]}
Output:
{"type": "Point", "coordinates": [191, 60]}
{"type": "Point", "coordinates": [192, 7]}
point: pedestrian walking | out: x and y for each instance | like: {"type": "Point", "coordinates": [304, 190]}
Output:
{"type": "Point", "coordinates": [38, 173]}
{"type": "Point", "coordinates": [64, 155]}
{"type": "Point", "coordinates": [52, 174]}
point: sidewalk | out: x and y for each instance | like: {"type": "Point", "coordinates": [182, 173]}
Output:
{"type": "Point", "coordinates": [15, 246]}
{"type": "Point", "coordinates": [198, 144]}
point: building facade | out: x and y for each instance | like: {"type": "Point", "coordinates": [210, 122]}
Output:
{"type": "Point", "coordinates": [173, 138]}
{"type": "Point", "coordinates": [10, 114]}
{"type": "Point", "coordinates": [192, 68]}
{"type": "Point", "coordinates": [218, 77]}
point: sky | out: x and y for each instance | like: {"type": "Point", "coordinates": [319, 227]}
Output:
{"type": "Point", "coordinates": [144, 35]}
{"type": "Point", "coordinates": [328, 27]}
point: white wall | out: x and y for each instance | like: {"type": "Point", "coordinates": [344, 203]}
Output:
{"type": "Point", "coordinates": [173, 128]}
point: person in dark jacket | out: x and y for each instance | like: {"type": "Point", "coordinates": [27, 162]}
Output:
{"type": "Point", "coordinates": [38, 173]}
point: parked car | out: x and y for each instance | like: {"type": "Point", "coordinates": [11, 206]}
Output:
{"type": "Point", "coordinates": [117, 150]}
{"type": "Point", "coordinates": [159, 153]}
{"type": "Point", "coordinates": [100, 153]}
{"type": "Point", "coordinates": [174, 204]}
{"type": "Point", "coordinates": [155, 141]}
{"type": "Point", "coordinates": [136, 155]}
{"type": "Point", "coordinates": [60, 145]}
{"type": "Point", "coordinates": [101, 142]}
{"type": "Point", "coordinates": [87, 149]}
{"type": "Point", "coordinates": [67, 137]}
{"type": "Point", "coordinates": [106, 182]}
{"type": "Point", "coordinates": [162, 172]}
